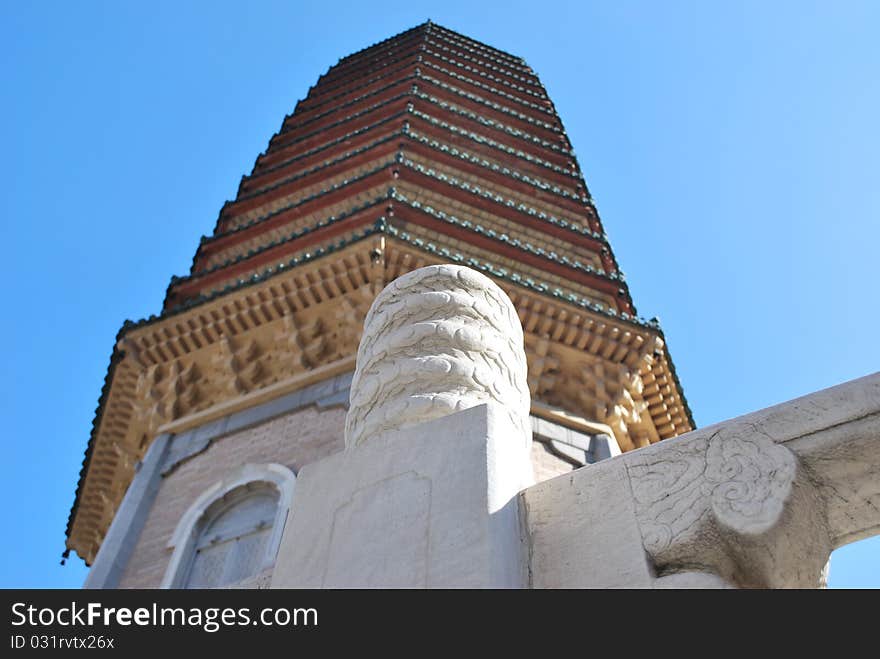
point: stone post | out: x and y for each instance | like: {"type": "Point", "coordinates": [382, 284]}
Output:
{"type": "Point", "coordinates": [437, 448]}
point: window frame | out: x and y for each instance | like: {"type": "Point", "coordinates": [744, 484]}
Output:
{"type": "Point", "coordinates": [183, 541]}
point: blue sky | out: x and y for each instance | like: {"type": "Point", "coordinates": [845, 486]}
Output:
{"type": "Point", "coordinates": [732, 149]}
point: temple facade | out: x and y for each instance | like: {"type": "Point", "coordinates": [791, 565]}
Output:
{"type": "Point", "coordinates": [427, 148]}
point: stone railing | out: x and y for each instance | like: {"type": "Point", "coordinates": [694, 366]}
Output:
{"type": "Point", "coordinates": [758, 501]}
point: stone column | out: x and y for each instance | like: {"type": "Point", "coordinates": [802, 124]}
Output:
{"type": "Point", "coordinates": [437, 447]}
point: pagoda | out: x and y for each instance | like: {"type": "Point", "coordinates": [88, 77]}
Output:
{"type": "Point", "coordinates": [425, 148]}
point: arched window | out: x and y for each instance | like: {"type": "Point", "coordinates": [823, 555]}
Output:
{"type": "Point", "coordinates": [231, 544]}
{"type": "Point", "coordinates": [233, 530]}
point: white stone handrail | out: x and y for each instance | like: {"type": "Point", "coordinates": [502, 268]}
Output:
{"type": "Point", "coordinates": [757, 501]}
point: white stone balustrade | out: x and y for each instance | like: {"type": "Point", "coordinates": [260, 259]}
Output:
{"type": "Point", "coordinates": [757, 501]}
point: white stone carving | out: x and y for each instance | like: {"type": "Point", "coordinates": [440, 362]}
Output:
{"type": "Point", "coordinates": [723, 504]}
{"type": "Point", "coordinates": [437, 340]}
{"type": "Point", "coordinates": [742, 483]}
{"type": "Point", "coordinates": [757, 501]}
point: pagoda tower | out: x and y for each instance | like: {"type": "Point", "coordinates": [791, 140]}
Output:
{"type": "Point", "coordinates": [425, 148]}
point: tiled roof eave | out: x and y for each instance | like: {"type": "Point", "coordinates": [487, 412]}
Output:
{"type": "Point", "coordinates": [324, 223]}
{"type": "Point", "coordinates": [379, 44]}
{"type": "Point", "coordinates": [115, 357]}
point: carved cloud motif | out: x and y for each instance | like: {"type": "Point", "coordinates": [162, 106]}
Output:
{"type": "Point", "coordinates": [740, 483]}
{"type": "Point", "coordinates": [437, 340]}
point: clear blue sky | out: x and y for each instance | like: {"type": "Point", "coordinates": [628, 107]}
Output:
{"type": "Point", "coordinates": [732, 148]}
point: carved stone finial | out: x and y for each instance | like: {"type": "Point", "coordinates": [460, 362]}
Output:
{"type": "Point", "coordinates": [436, 341]}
